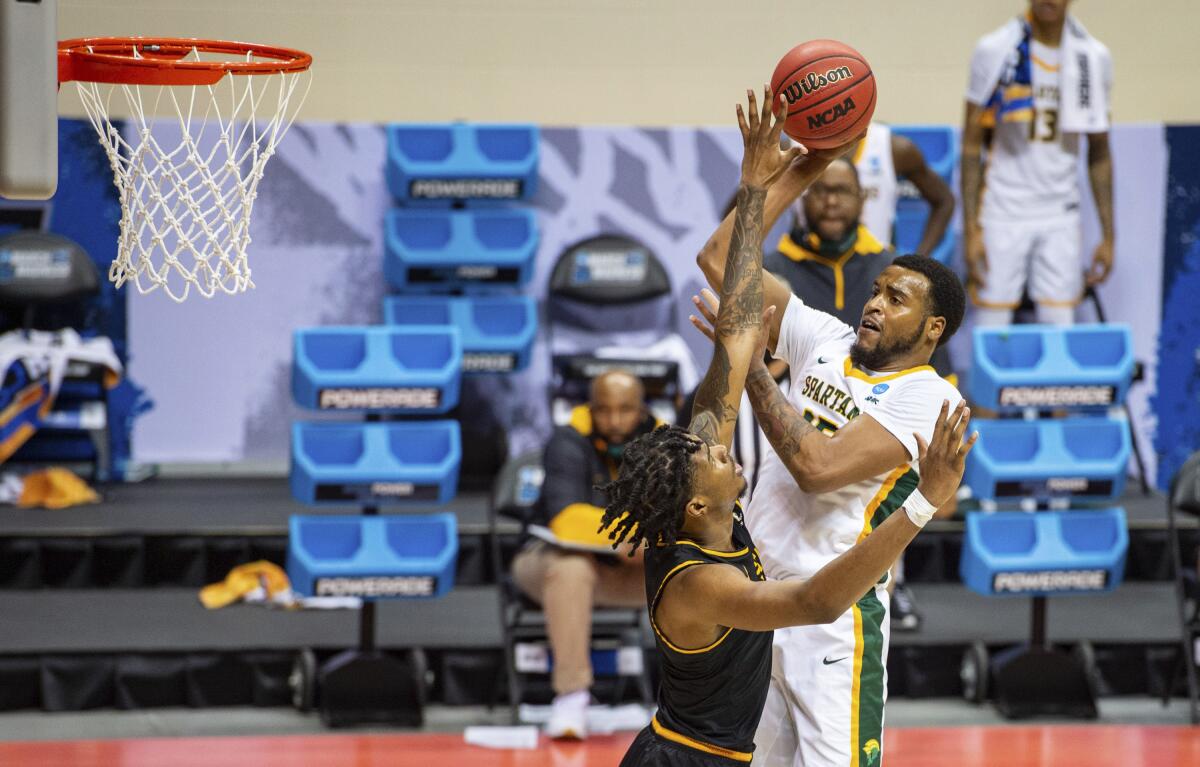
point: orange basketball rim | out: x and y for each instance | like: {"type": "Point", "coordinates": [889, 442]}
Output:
{"type": "Point", "coordinates": [161, 60]}
{"type": "Point", "coordinates": [186, 185]}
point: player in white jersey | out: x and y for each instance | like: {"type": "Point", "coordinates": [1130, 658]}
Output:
{"type": "Point", "coordinates": [846, 441]}
{"type": "Point", "coordinates": [1039, 87]}
{"type": "Point", "coordinates": [882, 158]}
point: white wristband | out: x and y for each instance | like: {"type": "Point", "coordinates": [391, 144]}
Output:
{"type": "Point", "coordinates": [918, 508]}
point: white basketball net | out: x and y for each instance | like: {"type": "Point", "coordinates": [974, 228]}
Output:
{"type": "Point", "coordinates": [185, 206]}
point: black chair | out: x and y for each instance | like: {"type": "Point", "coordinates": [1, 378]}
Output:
{"type": "Point", "coordinates": [53, 275]}
{"type": "Point", "coordinates": [514, 497]}
{"type": "Point", "coordinates": [1184, 496]}
{"type": "Point", "coordinates": [612, 291]}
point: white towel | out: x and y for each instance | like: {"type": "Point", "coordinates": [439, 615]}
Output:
{"type": "Point", "coordinates": [1085, 80]}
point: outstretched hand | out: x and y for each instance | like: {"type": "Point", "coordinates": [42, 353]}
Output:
{"type": "Point", "coordinates": [943, 460]}
{"type": "Point", "coordinates": [763, 161]}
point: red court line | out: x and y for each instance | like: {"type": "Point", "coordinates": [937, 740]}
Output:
{"type": "Point", "coordinates": [1025, 746]}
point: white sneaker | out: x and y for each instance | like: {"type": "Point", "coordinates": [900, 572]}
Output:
{"type": "Point", "coordinates": [568, 716]}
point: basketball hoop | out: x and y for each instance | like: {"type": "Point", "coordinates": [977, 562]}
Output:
{"type": "Point", "coordinates": [185, 205]}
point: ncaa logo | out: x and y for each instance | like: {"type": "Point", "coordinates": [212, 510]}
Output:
{"type": "Point", "coordinates": [879, 389]}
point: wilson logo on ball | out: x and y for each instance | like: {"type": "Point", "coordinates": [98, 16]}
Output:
{"type": "Point", "coordinates": [813, 82]}
{"type": "Point", "coordinates": [830, 116]}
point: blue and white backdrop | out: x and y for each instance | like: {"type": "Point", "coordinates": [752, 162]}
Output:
{"type": "Point", "coordinates": [213, 375]}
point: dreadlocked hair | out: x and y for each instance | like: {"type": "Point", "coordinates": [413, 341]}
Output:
{"type": "Point", "coordinates": [646, 500]}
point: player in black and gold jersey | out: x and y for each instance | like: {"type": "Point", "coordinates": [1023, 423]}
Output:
{"type": "Point", "coordinates": [710, 605]}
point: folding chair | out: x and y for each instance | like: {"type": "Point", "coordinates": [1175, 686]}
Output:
{"type": "Point", "coordinates": [53, 274]}
{"type": "Point", "coordinates": [618, 634]}
{"type": "Point", "coordinates": [1184, 496]}
{"type": "Point", "coordinates": [609, 305]}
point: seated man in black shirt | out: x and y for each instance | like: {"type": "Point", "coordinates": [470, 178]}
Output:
{"type": "Point", "coordinates": [578, 568]}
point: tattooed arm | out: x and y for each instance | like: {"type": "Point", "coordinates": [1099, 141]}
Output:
{"type": "Point", "coordinates": [736, 329]}
{"type": "Point", "coordinates": [819, 463]}
{"type": "Point", "coordinates": [802, 172]}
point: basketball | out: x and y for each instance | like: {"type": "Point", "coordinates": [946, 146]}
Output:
{"type": "Point", "coordinates": [830, 91]}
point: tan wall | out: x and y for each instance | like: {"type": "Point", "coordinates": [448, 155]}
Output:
{"type": "Point", "coordinates": [571, 62]}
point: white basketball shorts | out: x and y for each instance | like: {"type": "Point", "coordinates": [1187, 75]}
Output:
{"type": "Point", "coordinates": [828, 687]}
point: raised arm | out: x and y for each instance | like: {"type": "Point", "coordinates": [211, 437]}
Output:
{"type": "Point", "coordinates": [910, 164]}
{"type": "Point", "coordinates": [722, 595]}
{"type": "Point", "coordinates": [736, 329]}
{"type": "Point", "coordinates": [818, 463]}
{"type": "Point", "coordinates": [712, 258]}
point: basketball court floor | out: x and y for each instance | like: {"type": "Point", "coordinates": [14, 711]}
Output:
{"type": "Point", "coordinates": [1136, 732]}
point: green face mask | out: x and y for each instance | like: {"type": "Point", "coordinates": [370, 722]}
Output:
{"type": "Point", "coordinates": [827, 248]}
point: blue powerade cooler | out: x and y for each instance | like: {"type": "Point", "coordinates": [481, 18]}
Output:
{"type": "Point", "coordinates": [437, 164]}
{"type": "Point", "coordinates": [411, 370]}
{"type": "Point", "coordinates": [497, 332]}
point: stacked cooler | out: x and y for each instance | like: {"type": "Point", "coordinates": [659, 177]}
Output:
{"type": "Point", "coordinates": [456, 257]}
{"type": "Point", "coordinates": [1046, 473]}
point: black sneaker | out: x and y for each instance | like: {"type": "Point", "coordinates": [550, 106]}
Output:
{"type": "Point", "coordinates": [905, 616]}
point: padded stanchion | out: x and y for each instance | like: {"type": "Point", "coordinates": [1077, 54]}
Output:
{"type": "Point", "coordinates": [373, 557]}
{"type": "Point", "coordinates": [497, 331]}
{"type": "Point", "coordinates": [470, 250]}
{"type": "Point", "coordinates": [413, 370]}
{"type": "Point", "coordinates": [456, 161]}
{"type": "Point", "coordinates": [375, 463]}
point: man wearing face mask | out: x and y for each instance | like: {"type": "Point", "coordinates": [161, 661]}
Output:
{"type": "Point", "coordinates": [832, 262]}
{"type": "Point", "coordinates": [830, 265]}
{"type": "Point", "coordinates": [574, 568]}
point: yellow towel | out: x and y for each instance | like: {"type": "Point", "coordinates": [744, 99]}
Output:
{"type": "Point", "coordinates": [242, 580]}
{"type": "Point", "coordinates": [579, 523]}
{"type": "Point", "coordinates": [55, 489]}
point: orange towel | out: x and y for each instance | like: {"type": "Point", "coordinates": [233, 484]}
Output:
{"type": "Point", "coordinates": [243, 580]}
{"type": "Point", "coordinates": [55, 489]}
